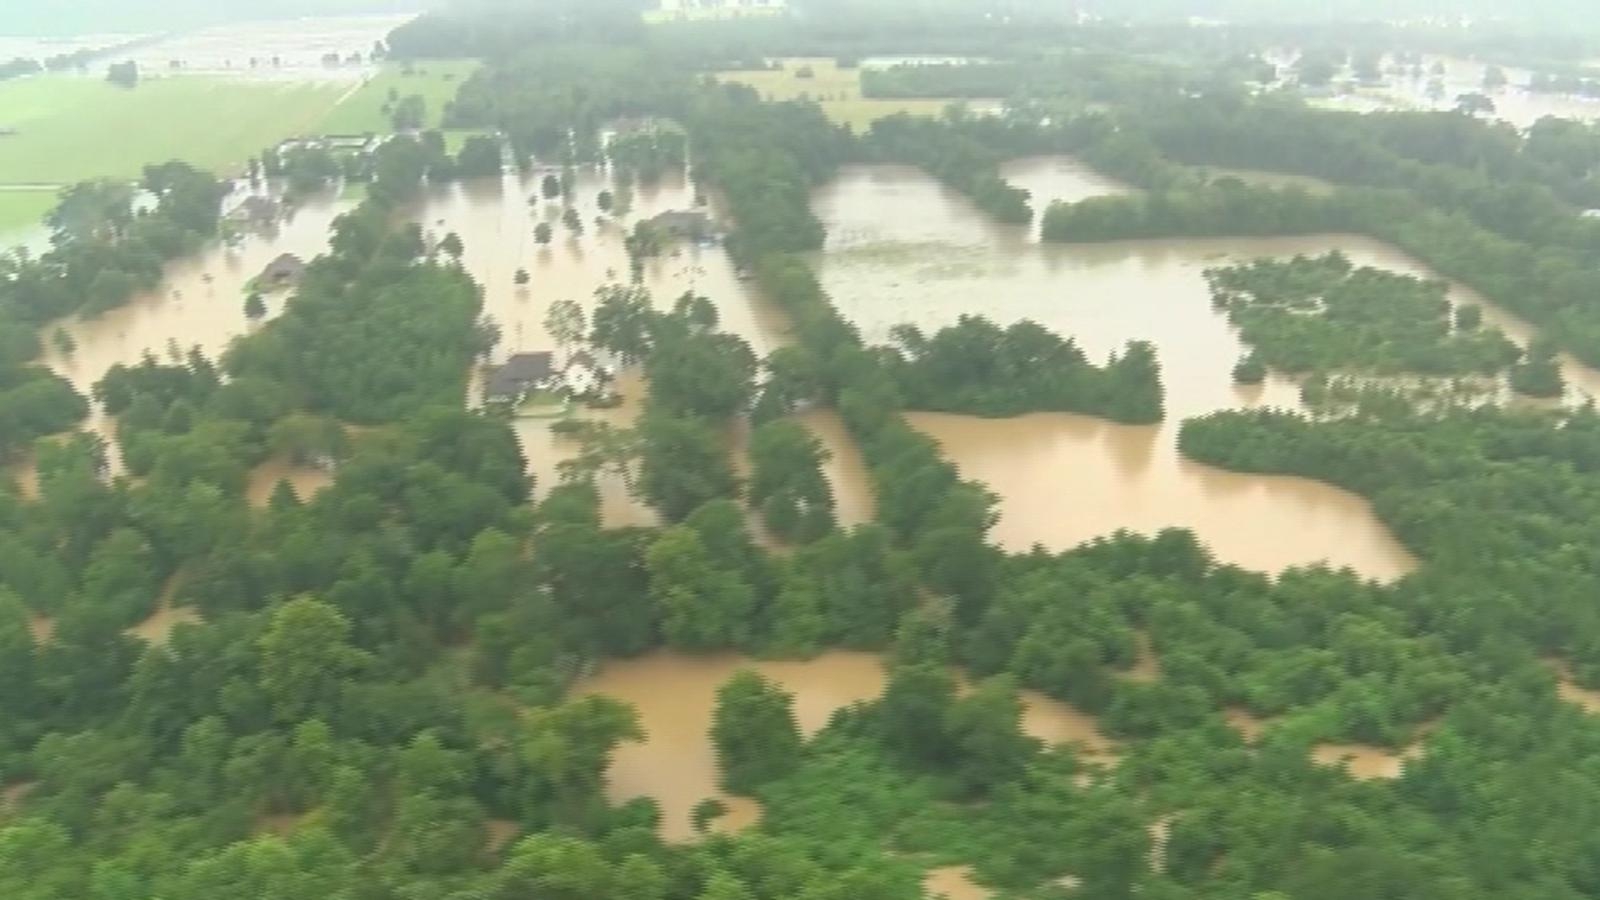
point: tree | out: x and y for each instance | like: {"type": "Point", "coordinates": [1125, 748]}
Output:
{"type": "Point", "coordinates": [451, 246]}
{"type": "Point", "coordinates": [682, 465]}
{"type": "Point", "coordinates": [564, 322]}
{"type": "Point", "coordinates": [985, 729]}
{"type": "Point", "coordinates": [304, 659]}
{"type": "Point", "coordinates": [622, 322]}
{"type": "Point", "coordinates": [914, 713]}
{"type": "Point", "coordinates": [521, 279]}
{"type": "Point", "coordinates": [550, 187]}
{"type": "Point", "coordinates": [542, 233]}
{"type": "Point", "coordinates": [254, 306]}
{"type": "Point", "coordinates": [702, 608]}
{"type": "Point", "coordinates": [571, 219]}
{"type": "Point", "coordinates": [61, 338]}
{"type": "Point", "coordinates": [1494, 78]}
{"type": "Point", "coordinates": [567, 748]}
{"type": "Point", "coordinates": [123, 74]}
{"type": "Point", "coordinates": [754, 732]}
{"type": "Point", "coordinates": [410, 114]}
{"type": "Point", "coordinates": [606, 201]}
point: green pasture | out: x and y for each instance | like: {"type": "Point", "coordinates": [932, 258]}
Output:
{"type": "Point", "coordinates": [362, 111]}
{"type": "Point", "coordinates": [70, 128]}
{"type": "Point", "coordinates": [23, 209]}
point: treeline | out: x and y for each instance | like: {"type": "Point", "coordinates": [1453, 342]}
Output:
{"type": "Point", "coordinates": [978, 368]}
{"type": "Point", "coordinates": [1323, 314]}
{"type": "Point", "coordinates": [956, 159]}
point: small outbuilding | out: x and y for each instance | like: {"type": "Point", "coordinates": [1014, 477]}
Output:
{"type": "Point", "coordinates": [281, 272]}
{"type": "Point", "coordinates": [683, 225]}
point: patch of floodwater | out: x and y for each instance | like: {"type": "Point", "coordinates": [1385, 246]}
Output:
{"type": "Point", "coordinates": [901, 248]}
{"type": "Point", "coordinates": [298, 45]}
{"type": "Point", "coordinates": [675, 695]}
{"type": "Point", "coordinates": [200, 303]}
{"type": "Point", "coordinates": [1569, 690]}
{"type": "Point", "coordinates": [12, 796]}
{"type": "Point", "coordinates": [1249, 726]}
{"type": "Point", "coordinates": [305, 481]}
{"type": "Point", "coordinates": [496, 224]}
{"type": "Point", "coordinates": [953, 883]}
{"type": "Point", "coordinates": [1366, 762]}
{"type": "Point", "coordinates": [157, 629]}
{"type": "Point", "coordinates": [42, 628]}
{"type": "Point", "coordinates": [498, 833]}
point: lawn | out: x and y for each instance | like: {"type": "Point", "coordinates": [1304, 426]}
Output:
{"type": "Point", "coordinates": [71, 128]}
{"type": "Point", "coordinates": [23, 209]}
{"type": "Point", "coordinates": [837, 90]}
{"type": "Point", "coordinates": [362, 111]}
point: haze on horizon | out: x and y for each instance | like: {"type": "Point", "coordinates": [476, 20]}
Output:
{"type": "Point", "coordinates": [62, 18]}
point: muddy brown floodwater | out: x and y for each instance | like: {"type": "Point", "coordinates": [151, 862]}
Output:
{"type": "Point", "coordinates": [675, 694]}
{"type": "Point", "coordinates": [496, 224]}
{"type": "Point", "coordinates": [199, 304]}
{"type": "Point", "coordinates": [901, 248]}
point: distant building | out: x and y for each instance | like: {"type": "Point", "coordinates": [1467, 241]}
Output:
{"type": "Point", "coordinates": [521, 373]}
{"type": "Point", "coordinates": [281, 272]}
{"type": "Point", "coordinates": [586, 379]}
{"type": "Point", "coordinates": [682, 225]}
{"type": "Point", "coordinates": [259, 212]}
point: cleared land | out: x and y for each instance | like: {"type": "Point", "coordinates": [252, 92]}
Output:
{"type": "Point", "coordinates": [23, 209]}
{"type": "Point", "coordinates": [837, 90]}
{"type": "Point", "coordinates": [709, 14]}
{"type": "Point", "coordinates": [71, 128]}
{"type": "Point", "coordinates": [362, 111]}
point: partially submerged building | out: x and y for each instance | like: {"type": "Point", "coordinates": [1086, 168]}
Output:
{"type": "Point", "coordinates": [522, 373]}
{"type": "Point", "coordinates": [285, 271]}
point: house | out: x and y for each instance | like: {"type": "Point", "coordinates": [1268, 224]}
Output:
{"type": "Point", "coordinates": [521, 373]}
{"type": "Point", "coordinates": [586, 379]}
{"type": "Point", "coordinates": [683, 225]}
{"type": "Point", "coordinates": [257, 212]}
{"type": "Point", "coordinates": [281, 272]}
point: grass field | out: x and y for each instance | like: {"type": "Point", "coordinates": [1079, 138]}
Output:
{"type": "Point", "coordinates": [71, 128]}
{"type": "Point", "coordinates": [362, 111]}
{"type": "Point", "coordinates": [23, 209]}
{"type": "Point", "coordinates": [837, 90]}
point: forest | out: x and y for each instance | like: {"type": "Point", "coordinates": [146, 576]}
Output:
{"type": "Point", "coordinates": [379, 677]}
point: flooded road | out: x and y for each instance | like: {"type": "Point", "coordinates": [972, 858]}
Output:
{"type": "Point", "coordinates": [903, 249]}
{"type": "Point", "coordinates": [675, 694]}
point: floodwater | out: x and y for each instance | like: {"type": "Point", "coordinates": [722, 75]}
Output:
{"type": "Point", "coordinates": [298, 44]}
{"type": "Point", "coordinates": [199, 304]}
{"type": "Point", "coordinates": [953, 883]}
{"type": "Point", "coordinates": [675, 695]}
{"type": "Point", "coordinates": [1400, 90]}
{"type": "Point", "coordinates": [304, 480]}
{"type": "Point", "coordinates": [903, 249]}
{"type": "Point", "coordinates": [496, 224]}
{"type": "Point", "coordinates": [1570, 690]}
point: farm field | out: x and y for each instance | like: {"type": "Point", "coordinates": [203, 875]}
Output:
{"type": "Point", "coordinates": [837, 90]}
{"type": "Point", "coordinates": [23, 209]}
{"type": "Point", "coordinates": [71, 128]}
{"type": "Point", "coordinates": [362, 111]}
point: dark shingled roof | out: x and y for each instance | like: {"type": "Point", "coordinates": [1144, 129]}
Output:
{"type": "Point", "coordinates": [520, 372]}
{"type": "Point", "coordinates": [283, 268]}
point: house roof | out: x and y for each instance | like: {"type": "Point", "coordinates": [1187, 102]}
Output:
{"type": "Point", "coordinates": [682, 220]}
{"type": "Point", "coordinates": [286, 266]}
{"type": "Point", "coordinates": [518, 373]}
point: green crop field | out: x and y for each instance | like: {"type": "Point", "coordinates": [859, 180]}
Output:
{"type": "Point", "coordinates": [362, 111]}
{"type": "Point", "coordinates": [836, 90]}
{"type": "Point", "coordinates": [70, 128]}
{"type": "Point", "coordinates": [23, 209]}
